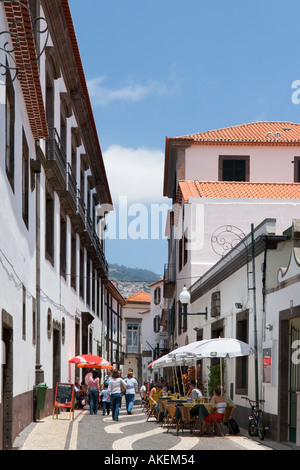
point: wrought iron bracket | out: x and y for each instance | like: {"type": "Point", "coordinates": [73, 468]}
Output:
{"type": "Point", "coordinates": [185, 313]}
{"type": "Point", "coordinates": [19, 34]}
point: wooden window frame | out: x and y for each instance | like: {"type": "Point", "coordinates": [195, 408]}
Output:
{"type": "Point", "coordinates": [245, 158]}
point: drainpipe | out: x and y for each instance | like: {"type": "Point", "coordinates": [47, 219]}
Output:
{"type": "Point", "coordinates": [255, 318]}
{"type": "Point", "coordinates": [39, 373]}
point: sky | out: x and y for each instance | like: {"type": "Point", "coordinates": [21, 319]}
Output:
{"type": "Point", "coordinates": [166, 68]}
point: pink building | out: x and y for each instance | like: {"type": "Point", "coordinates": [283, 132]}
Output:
{"type": "Point", "coordinates": [225, 180]}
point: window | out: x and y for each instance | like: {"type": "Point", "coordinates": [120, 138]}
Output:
{"type": "Point", "coordinates": [133, 338]}
{"type": "Point", "coordinates": [63, 247]}
{"type": "Point", "coordinates": [93, 290]}
{"type": "Point", "coordinates": [10, 130]}
{"type": "Point", "coordinates": [215, 310]}
{"type": "Point", "coordinates": [81, 274]}
{"type": "Point", "coordinates": [182, 321]}
{"type": "Point", "coordinates": [73, 261]}
{"type": "Point", "coordinates": [185, 250]}
{"type": "Point", "coordinates": [180, 255]}
{"type": "Point", "coordinates": [234, 168]}
{"type": "Point", "coordinates": [296, 169]}
{"type": "Point", "coordinates": [242, 333]}
{"type": "Point", "coordinates": [49, 242]}
{"type": "Point", "coordinates": [157, 296]}
{"type": "Point", "coordinates": [88, 282]}
{"type": "Point", "coordinates": [24, 313]}
{"type": "Point", "coordinates": [25, 180]}
{"type": "Point", "coordinates": [49, 323]}
{"type": "Point", "coordinates": [33, 321]}
{"type": "Point", "coordinates": [156, 324]}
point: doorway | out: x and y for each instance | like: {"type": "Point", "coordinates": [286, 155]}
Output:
{"type": "Point", "coordinates": [294, 380]}
{"type": "Point", "coordinates": [56, 357]}
{"type": "Point", "coordinates": [7, 382]}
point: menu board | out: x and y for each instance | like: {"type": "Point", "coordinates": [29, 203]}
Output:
{"type": "Point", "coordinates": [64, 395]}
{"type": "Point", "coordinates": [267, 365]}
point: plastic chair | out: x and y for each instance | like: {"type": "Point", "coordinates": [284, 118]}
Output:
{"type": "Point", "coordinates": [186, 419]}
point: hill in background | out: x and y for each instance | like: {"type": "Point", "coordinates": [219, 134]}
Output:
{"type": "Point", "coordinates": [131, 280]}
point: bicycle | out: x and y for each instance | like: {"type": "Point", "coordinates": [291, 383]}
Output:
{"type": "Point", "coordinates": [256, 420]}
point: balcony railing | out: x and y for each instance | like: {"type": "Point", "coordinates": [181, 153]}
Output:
{"type": "Point", "coordinates": [81, 210]}
{"type": "Point", "coordinates": [64, 182]}
{"type": "Point", "coordinates": [96, 243]}
{"type": "Point", "coordinates": [56, 153]}
{"type": "Point", "coordinates": [169, 272]}
{"type": "Point", "coordinates": [169, 280]}
{"type": "Point", "coordinates": [71, 183]}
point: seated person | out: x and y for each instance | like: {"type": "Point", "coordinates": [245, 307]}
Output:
{"type": "Point", "coordinates": [218, 406]}
{"type": "Point", "coordinates": [155, 393]}
{"type": "Point", "coordinates": [194, 393]}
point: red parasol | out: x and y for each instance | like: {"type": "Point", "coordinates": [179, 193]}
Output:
{"type": "Point", "coordinates": [91, 361]}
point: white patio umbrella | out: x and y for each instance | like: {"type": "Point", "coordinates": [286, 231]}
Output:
{"type": "Point", "coordinates": [222, 348]}
{"type": "Point", "coordinates": [212, 348]}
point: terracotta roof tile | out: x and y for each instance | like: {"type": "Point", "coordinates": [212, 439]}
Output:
{"type": "Point", "coordinates": [139, 297]}
{"type": "Point", "coordinates": [260, 132]}
{"type": "Point", "coordinates": [19, 22]}
{"type": "Point", "coordinates": [233, 189]}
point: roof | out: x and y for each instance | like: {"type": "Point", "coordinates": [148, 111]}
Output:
{"type": "Point", "coordinates": [160, 281]}
{"type": "Point", "coordinates": [262, 133]}
{"type": "Point", "coordinates": [236, 189]}
{"type": "Point", "coordinates": [25, 57]}
{"type": "Point", "coordinates": [266, 132]}
{"type": "Point", "coordinates": [110, 286]}
{"type": "Point", "coordinates": [139, 297]}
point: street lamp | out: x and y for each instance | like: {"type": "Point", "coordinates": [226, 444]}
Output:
{"type": "Point", "coordinates": [185, 298]}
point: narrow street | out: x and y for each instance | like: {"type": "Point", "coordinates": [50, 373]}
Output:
{"type": "Point", "coordinates": [130, 433]}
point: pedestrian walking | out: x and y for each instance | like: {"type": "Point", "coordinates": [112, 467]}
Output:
{"type": "Point", "coordinates": [115, 390]}
{"type": "Point", "coordinates": [143, 391]}
{"type": "Point", "coordinates": [131, 388]}
{"type": "Point", "coordinates": [104, 394]}
{"type": "Point", "coordinates": [93, 392]}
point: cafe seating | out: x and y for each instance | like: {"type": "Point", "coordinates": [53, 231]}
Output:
{"type": "Point", "coordinates": [145, 403]}
{"type": "Point", "coordinates": [186, 420]}
{"type": "Point", "coordinates": [161, 412]}
{"type": "Point", "coordinates": [151, 411]}
{"type": "Point", "coordinates": [219, 422]}
{"type": "Point", "coordinates": [171, 419]}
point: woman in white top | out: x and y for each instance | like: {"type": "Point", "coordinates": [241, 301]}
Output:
{"type": "Point", "coordinates": [114, 388]}
{"type": "Point", "coordinates": [218, 406]}
{"type": "Point", "coordinates": [131, 388]}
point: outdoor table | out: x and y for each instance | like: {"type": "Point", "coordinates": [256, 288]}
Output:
{"type": "Point", "coordinates": [200, 409]}
{"type": "Point", "coordinates": [158, 402]}
{"type": "Point", "coordinates": [178, 401]}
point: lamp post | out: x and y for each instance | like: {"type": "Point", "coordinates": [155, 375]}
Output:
{"type": "Point", "coordinates": [185, 298]}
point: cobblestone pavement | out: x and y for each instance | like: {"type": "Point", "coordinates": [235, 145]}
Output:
{"type": "Point", "coordinates": [131, 432]}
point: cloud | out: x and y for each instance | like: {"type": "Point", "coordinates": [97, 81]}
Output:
{"type": "Point", "coordinates": [132, 92]}
{"type": "Point", "coordinates": [135, 173]}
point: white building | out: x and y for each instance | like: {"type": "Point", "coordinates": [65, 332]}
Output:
{"type": "Point", "coordinates": [55, 299]}
{"type": "Point", "coordinates": [218, 180]}
{"type": "Point", "coordinates": [155, 334]}
{"type": "Point", "coordinates": [263, 309]}
{"type": "Point", "coordinates": [221, 183]}
{"type": "Point", "coordinates": [135, 314]}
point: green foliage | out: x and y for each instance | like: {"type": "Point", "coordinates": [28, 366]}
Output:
{"type": "Point", "coordinates": [213, 379]}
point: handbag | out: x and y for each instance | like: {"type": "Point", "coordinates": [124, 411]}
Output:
{"type": "Point", "coordinates": [123, 388]}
